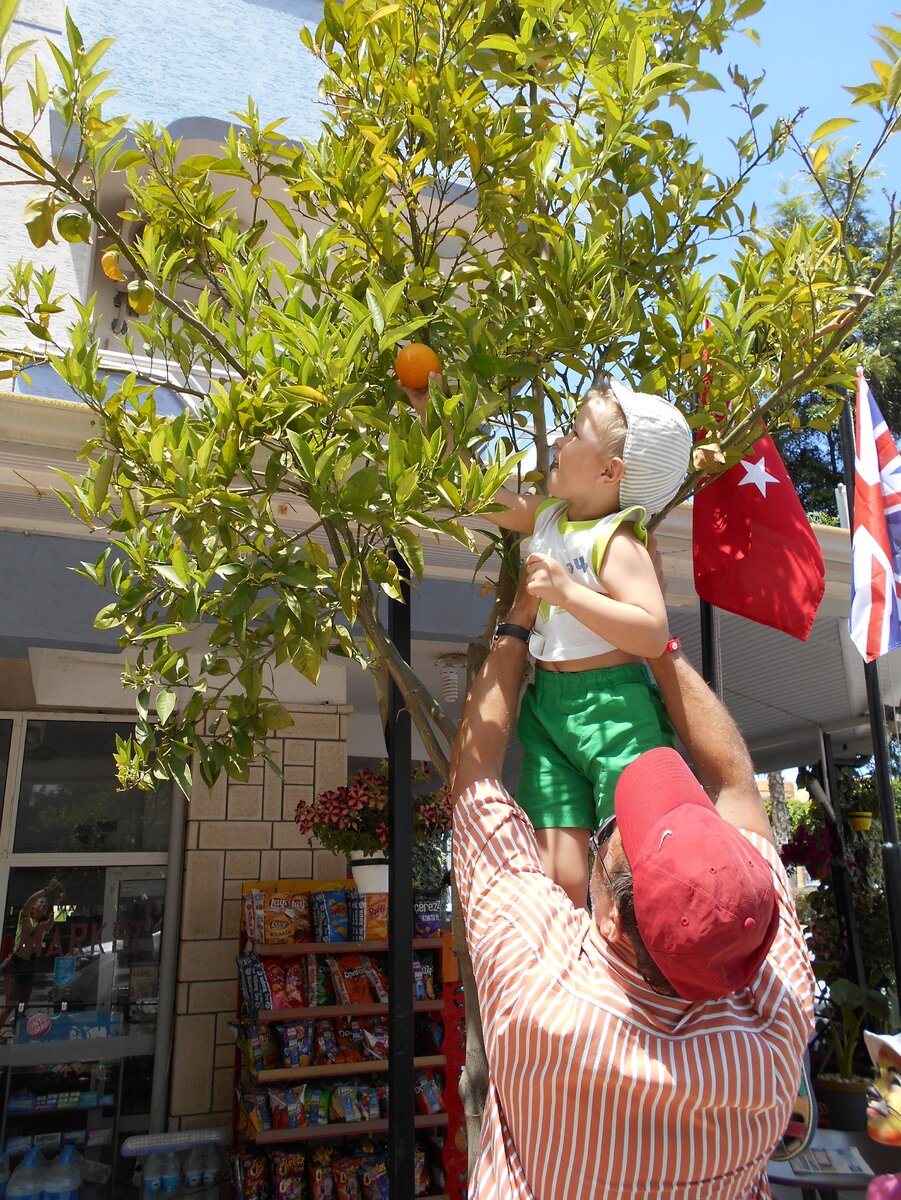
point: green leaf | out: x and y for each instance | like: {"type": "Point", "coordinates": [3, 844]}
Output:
{"type": "Point", "coordinates": [350, 583]}
{"type": "Point", "coordinates": [376, 311]}
{"type": "Point", "coordinates": [101, 481]}
{"type": "Point", "coordinates": [830, 127]}
{"type": "Point", "coordinates": [275, 716]}
{"type": "Point", "coordinates": [410, 549]}
{"type": "Point", "coordinates": [165, 705]}
{"type": "Point", "coordinates": [8, 9]}
{"type": "Point", "coordinates": [893, 87]}
{"type": "Point", "coordinates": [281, 211]}
{"type": "Point", "coordinates": [637, 61]}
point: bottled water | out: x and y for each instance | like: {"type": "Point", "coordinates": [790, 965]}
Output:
{"type": "Point", "coordinates": [62, 1179]}
{"type": "Point", "coordinates": [27, 1181]}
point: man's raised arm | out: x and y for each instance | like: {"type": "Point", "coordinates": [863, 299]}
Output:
{"type": "Point", "coordinates": [713, 742]}
{"type": "Point", "coordinates": [491, 704]}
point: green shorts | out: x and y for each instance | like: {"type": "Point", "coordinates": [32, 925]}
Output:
{"type": "Point", "coordinates": [579, 730]}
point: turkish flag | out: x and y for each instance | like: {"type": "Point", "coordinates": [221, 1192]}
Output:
{"type": "Point", "coordinates": [755, 553]}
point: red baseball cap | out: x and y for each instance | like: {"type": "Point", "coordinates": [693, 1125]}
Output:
{"type": "Point", "coordinates": [704, 897]}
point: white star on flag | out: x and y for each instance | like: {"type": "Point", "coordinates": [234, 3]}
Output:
{"type": "Point", "coordinates": [757, 474]}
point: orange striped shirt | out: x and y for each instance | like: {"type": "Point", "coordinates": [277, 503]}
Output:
{"type": "Point", "coordinates": [598, 1087]}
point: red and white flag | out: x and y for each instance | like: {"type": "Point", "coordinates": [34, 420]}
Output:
{"type": "Point", "coordinates": [875, 621]}
{"type": "Point", "coordinates": [755, 553]}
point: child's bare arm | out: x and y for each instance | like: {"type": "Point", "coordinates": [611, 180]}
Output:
{"type": "Point", "coordinates": [632, 616]}
{"type": "Point", "coordinates": [519, 514]}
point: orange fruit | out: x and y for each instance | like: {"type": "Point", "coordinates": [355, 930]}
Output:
{"type": "Point", "coordinates": [415, 363]}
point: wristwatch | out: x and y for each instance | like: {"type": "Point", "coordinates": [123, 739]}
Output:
{"type": "Point", "coordinates": [508, 629]}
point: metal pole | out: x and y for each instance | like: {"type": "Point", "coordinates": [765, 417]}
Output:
{"type": "Point", "coordinates": [401, 1125]}
{"type": "Point", "coordinates": [165, 1004]}
{"type": "Point", "coordinates": [891, 851]}
{"type": "Point", "coordinates": [841, 880]}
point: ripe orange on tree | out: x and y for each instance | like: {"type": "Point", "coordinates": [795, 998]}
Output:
{"type": "Point", "coordinates": [415, 363]}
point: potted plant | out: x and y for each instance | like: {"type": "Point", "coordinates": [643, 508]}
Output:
{"type": "Point", "coordinates": [353, 820]}
{"type": "Point", "coordinates": [844, 1090]}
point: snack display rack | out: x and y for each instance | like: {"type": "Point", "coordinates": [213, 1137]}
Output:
{"type": "Point", "coordinates": [442, 1005]}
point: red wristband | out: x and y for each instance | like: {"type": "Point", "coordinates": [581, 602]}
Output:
{"type": "Point", "coordinates": [672, 646]}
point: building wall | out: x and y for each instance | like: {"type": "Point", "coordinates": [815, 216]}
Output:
{"type": "Point", "coordinates": [237, 832]}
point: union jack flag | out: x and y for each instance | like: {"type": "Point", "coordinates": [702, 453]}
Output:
{"type": "Point", "coordinates": [875, 622]}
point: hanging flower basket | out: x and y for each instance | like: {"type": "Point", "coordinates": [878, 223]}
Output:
{"type": "Point", "coordinates": [860, 821]}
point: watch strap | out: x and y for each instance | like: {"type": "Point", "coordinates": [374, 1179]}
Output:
{"type": "Point", "coordinates": [508, 629]}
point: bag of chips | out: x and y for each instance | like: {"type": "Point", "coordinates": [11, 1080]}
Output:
{"type": "Point", "coordinates": [426, 1093]}
{"type": "Point", "coordinates": [296, 1041]}
{"type": "Point", "coordinates": [250, 1173]}
{"type": "Point", "coordinates": [325, 1048]}
{"type": "Point", "coordinates": [278, 918]}
{"type": "Point", "coordinates": [376, 978]}
{"type": "Point", "coordinates": [356, 915]}
{"type": "Point", "coordinates": [330, 916]}
{"type": "Point", "coordinates": [344, 1105]}
{"type": "Point", "coordinates": [374, 1177]}
{"type": "Point", "coordinates": [346, 1171]}
{"type": "Point", "coordinates": [317, 1102]}
{"type": "Point", "coordinates": [350, 979]}
{"type": "Point", "coordinates": [376, 916]}
{"type": "Point", "coordinates": [426, 915]}
{"type": "Point", "coordinates": [318, 980]}
{"type": "Point", "coordinates": [288, 1174]}
{"type": "Point", "coordinates": [303, 916]}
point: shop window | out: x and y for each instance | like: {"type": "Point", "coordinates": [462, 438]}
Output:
{"type": "Point", "coordinates": [80, 948]}
{"type": "Point", "coordinates": [68, 798]}
{"type": "Point", "coordinates": [6, 733]}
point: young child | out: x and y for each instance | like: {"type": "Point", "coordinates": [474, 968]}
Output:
{"type": "Point", "coordinates": [592, 707]}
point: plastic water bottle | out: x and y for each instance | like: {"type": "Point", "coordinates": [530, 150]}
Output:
{"type": "Point", "coordinates": [4, 1175]}
{"type": "Point", "coordinates": [27, 1181]}
{"type": "Point", "coordinates": [62, 1180]}
{"type": "Point", "coordinates": [171, 1172]}
{"type": "Point", "coordinates": [153, 1175]}
{"type": "Point", "coordinates": [193, 1172]}
{"type": "Point", "coordinates": [210, 1159]}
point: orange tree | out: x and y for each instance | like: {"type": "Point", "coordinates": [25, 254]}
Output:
{"type": "Point", "coordinates": [508, 181]}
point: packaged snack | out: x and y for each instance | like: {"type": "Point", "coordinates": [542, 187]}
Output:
{"type": "Point", "coordinates": [376, 978]}
{"type": "Point", "coordinates": [295, 990]}
{"type": "Point", "coordinates": [278, 918]}
{"type": "Point", "coordinates": [325, 1047]}
{"type": "Point", "coordinates": [322, 1182]}
{"type": "Point", "coordinates": [421, 1181]}
{"type": "Point", "coordinates": [344, 1103]}
{"type": "Point", "coordinates": [318, 981]}
{"type": "Point", "coordinates": [368, 1100]}
{"type": "Point", "coordinates": [428, 1033]}
{"type": "Point", "coordinates": [316, 1102]}
{"type": "Point", "coordinates": [253, 1110]}
{"type": "Point", "coordinates": [258, 901]}
{"type": "Point", "coordinates": [250, 1173]}
{"type": "Point", "coordinates": [255, 992]}
{"type": "Point", "coordinates": [296, 1041]}
{"type": "Point", "coordinates": [374, 1177]}
{"type": "Point", "coordinates": [356, 915]}
{"type": "Point", "coordinates": [375, 1037]}
{"type": "Point", "coordinates": [248, 918]}
{"type": "Point", "coordinates": [274, 970]}
{"type": "Point", "coordinates": [349, 979]}
{"type": "Point", "coordinates": [303, 916]}
{"type": "Point", "coordinates": [426, 915]}
{"type": "Point", "coordinates": [330, 916]}
{"type": "Point", "coordinates": [426, 1093]}
{"type": "Point", "coordinates": [346, 1172]}
{"type": "Point", "coordinates": [427, 966]}
{"type": "Point", "coordinates": [376, 916]}
{"type": "Point", "coordinates": [349, 1039]}
{"type": "Point", "coordinates": [418, 981]}
{"type": "Point", "coordinates": [288, 1174]}
{"type": "Point", "coordinates": [286, 1107]}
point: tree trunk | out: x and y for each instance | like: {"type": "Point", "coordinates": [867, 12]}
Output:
{"type": "Point", "coordinates": [779, 817]}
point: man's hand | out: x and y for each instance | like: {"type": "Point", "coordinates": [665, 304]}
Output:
{"type": "Point", "coordinates": [546, 579]}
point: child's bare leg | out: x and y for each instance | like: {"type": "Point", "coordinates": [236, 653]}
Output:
{"type": "Point", "coordinates": [565, 854]}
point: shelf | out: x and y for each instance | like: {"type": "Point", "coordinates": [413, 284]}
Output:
{"type": "Point", "coordinates": [290, 949]}
{"type": "Point", "coordinates": [341, 1010]}
{"type": "Point", "coordinates": [312, 1133]}
{"type": "Point", "coordinates": [329, 1070]}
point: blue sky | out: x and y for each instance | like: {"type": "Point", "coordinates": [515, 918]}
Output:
{"type": "Point", "coordinates": [808, 49]}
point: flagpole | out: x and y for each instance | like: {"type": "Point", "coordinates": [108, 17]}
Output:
{"type": "Point", "coordinates": [891, 851]}
{"type": "Point", "coordinates": [711, 667]}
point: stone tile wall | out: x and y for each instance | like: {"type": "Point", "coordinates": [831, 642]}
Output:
{"type": "Point", "coordinates": [237, 832]}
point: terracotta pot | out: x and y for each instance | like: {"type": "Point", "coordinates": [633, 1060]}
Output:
{"type": "Point", "coordinates": [845, 1101]}
{"type": "Point", "coordinates": [860, 821]}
